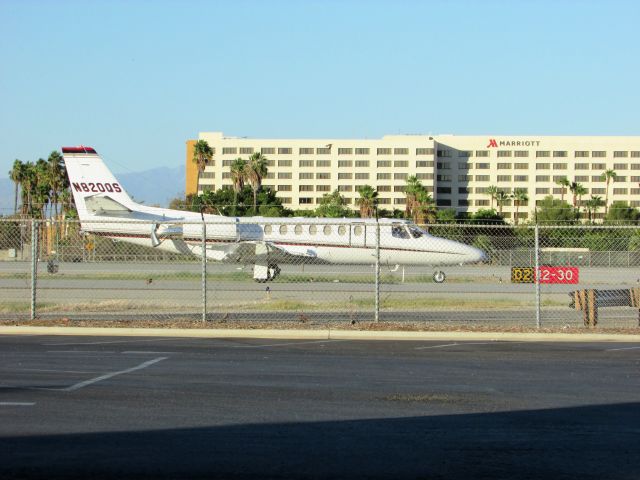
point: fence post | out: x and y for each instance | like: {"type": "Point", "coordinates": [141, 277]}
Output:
{"type": "Point", "coordinates": [34, 266]}
{"type": "Point", "coordinates": [537, 274]}
{"type": "Point", "coordinates": [377, 303]}
{"type": "Point", "coordinates": [204, 270]}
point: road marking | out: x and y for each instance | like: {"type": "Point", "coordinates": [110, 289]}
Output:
{"type": "Point", "coordinates": [107, 376]}
{"type": "Point", "coordinates": [285, 344]}
{"type": "Point", "coordinates": [455, 344]}
{"type": "Point", "coordinates": [108, 342]}
{"type": "Point", "coordinates": [17, 404]}
{"type": "Point", "coordinates": [135, 352]}
{"type": "Point", "coordinates": [81, 351]}
{"type": "Point", "coordinates": [45, 370]}
{"type": "Point", "coordinates": [623, 348]}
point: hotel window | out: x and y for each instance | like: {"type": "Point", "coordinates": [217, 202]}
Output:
{"type": "Point", "coordinates": [206, 188]}
{"type": "Point", "coordinates": [305, 175]}
{"type": "Point", "coordinates": [542, 153]}
{"type": "Point", "coordinates": [400, 176]}
{"type": "Point", "coordinates": [399, 201]}
{"type": "Point", "coordinates": [323, 163]}
{"type": "Point", "coordinates": [443, 202]}
{"type": "Point", "coordinates": [504, 153]}
{"type": "Point", "coordinates": [284, 163]}
{"type": "Point", "coordinates": [399, 188]}
{"type": "Point", "coordinates": [444, 153]}
{"type": "Point", "coordinates": [345, 176]}
{"type": "Point", "coordinates": [229, 150]}
{"type": "Point", "coordinates": [598, 191]}
{"type": "Point", "coordinates": [465, 178]}
{"type": "Point", "coordinates": [581, 153]}
{"type": "Point", "coordinates": [620, 166]}
{"type": "Point", "coordinates": [521, 166]}
{"type": "Point", "coordinates": [226, 175]}
{"type": "Point", "coordinates": [285, 199]}
{"type": "Point", "coordinates": [560, 153]}
{"type": "Point", "coordinates": [543, 178]}
{"type": "Point", "coordinates": [482, 166]}
{"type": "Point", "coordinates": [284, 188]}
{"type": "Point", "coordinates": [598, 166]}
{"type": "Point", "coordinates": [582, 178]}
{"type": "Point", "coordinates": [362, 151]}
{"type": "Point", "coordinates": [443, 178]}
{"type": "Point", "coordinates": [559, 166]}
{"type": "Point", "coordinates": [504, 166]}
{"type": "Point", "coordinates": [465, 190]}
{"type": "Point", "coordinates": [305, 151]}
{"type": "Point", "coordinates": [557, 178]}
{"type": "Point", "coordinates": [635, 179]}
{"type": "Point", "coordinates": [345, 151]}
{"type": "Point", "coordinates": [362, 163]}
{"type": "Point", "coordinates": [362, 176]}
{"type": "Point", "coordinates": [504, 178]}
{"type": "Point", "coordinates": [482, 153]}
{"type": "Point", "coordinates": [619, 179]}
{"type": "Point", "coordinates": [267, 150]}
{"type": "Point", "coordinates": [345, 188]}
{"type": "Point", "coordinates": [401, 151]}
{"type": "Point", "coordinates": [323, 151]}
{"type": "Point", "coordinates": [208, 175]}
{"type": "Point", "coordinates": [347, 200]}
{"type": "Point", "coordinates": [482, 203]}
{"type": "Point", "coordinates": [597, 178]}
{"type": "Point", "coordinates": [271, 163]}
{"type": "Point", "coordinates": [482, 178]}
{"type": "Point", "coordinates": [383, 176]}
{"type": "Point", "coordinates": [424, 151]}
{"type": "Point", "coordinates": [521, 153]}
{"type": "Point", "coordinates": [227, 163]}
{"type": "Point", "coordinates": [543, 166]}
{"type": "Point", "coordinates": [635, 203]}
{"type": "Point", "coordinates": [635, 166]}
{"type": "Point", "coordinates": [384, 163]}
{"type": "Point", "coordinates": [557, 191]}
{"type": "Point", "coordinates": [383, 151]}
{"type": "Point", "coordinates": [400, 163]}
{"type": "Point", "coordinates": [620, 191]}
{"type": "Point", "coordinates": [464, 166]}
{"type": "Point", "coordinates": [270, 175]}
{"type": "Point", "coordinates": [424, 164]}
{"type": "Point", "coordinates": [465, 153]}
{"type": "Point", "coordinates": [424, 176]}
{"type": "Point", "coordinates": [443, 166]}
{"type": "Point", "coordinates": [619, 154]}
{"type": "Point", "coordinates": [598, 154]}
{"type": "Point", "coordinates": [446, 190]}
{"type": "Point", "coordinates": [284, 175]}
{"type": "Point", "coordinates": [383, 188]}
{"type": "Point", "coordinates": [323, 175]}
{"type": "Point", "coordinates": [305, 188]}
{"type": "Point", "coordinates": [305, 163]}
{"type": "Point", "coordinates": [581, 166]}
{"type": "Point", "coordinates": [384, 201]}
{"type": "Point", "coordinates": [345, 163]}
{"type": "Point", "coordinates": [635, 154]}
{"type": "Point", "coordinates": [284, 151]}
{"type": "Point", "coordinates": [542, 191]}
{"type": "Point", "coordinates": [305, 200]}
{"type": "Point", "coordinates": [480, 190]}
{"type": "Point", "coordinates": [212, 162]}
{"type": "Point", "coordinates": [635, 191]}
{"type": "Point", "coordinates": [246, 150]}
{"type": "Point", "coordinates": [464, 202]}
{"type": "Point", "coordinates": [323, 188]}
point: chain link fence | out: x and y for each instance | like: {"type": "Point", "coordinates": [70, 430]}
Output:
{"type": "Point", "coordinates": [321, 271]}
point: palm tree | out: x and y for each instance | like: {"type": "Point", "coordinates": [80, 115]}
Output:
{"type": "Point", "coordinates": [367, 200]}
{"type": "Point", "coordinates": [519, 197]}
{"type": "Point", "coordinates": [16, 174]}
{"type": "Point", "coordinates": [579, 191]}
{"type": "Point", "coordinates": [56, 176]}
{"type": "Point", "coordinates": [492, 191]}
{"type": "Point", "coordinates": [501, 198]}
{"type": "Point", "coordinates": [238, 175]}
{"type": "Point", "coordinates": [564, 183]}
{"type": "Point", "coordinates": [608, 175]}
{"type": "Point", "coordinates": [424, 210]}
{"type": "Point", "coordinates": [202, 154]}
{"type": "Point", "coordinates": [256, 169]}
{"type": "Point", "coordinates": [27, 187]}
{"type": "Point", "coordinates": [411, 191]}
{"type": "Point", "coordinates": [592, 205]}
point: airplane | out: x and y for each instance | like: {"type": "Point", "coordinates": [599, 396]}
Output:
{"type": "Point", "coordinates": [105, 209]}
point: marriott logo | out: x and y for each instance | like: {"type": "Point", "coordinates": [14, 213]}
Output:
{"type": "Point", "coordinates": [493, 143]}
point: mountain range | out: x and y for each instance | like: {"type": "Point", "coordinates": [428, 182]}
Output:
{"type": "Point", "coordinates": [156, 186]}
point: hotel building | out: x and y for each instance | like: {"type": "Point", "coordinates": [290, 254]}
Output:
{"type": "Point", "coordinates": [457, 170]}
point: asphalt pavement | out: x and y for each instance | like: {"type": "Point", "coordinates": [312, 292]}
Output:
{"type": "Point", "coordinates": [113, 407]}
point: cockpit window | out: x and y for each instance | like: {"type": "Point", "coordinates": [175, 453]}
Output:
{"type": "Point", "coordinates": [399, 231]}
{"type": "Point", "coordinates": [416, 232]}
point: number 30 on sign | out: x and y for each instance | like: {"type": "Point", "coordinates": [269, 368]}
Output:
{"type": "Point", "coordinates": [547, 275]}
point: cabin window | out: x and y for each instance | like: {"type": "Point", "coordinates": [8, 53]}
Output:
{"type": "Point", "coordinates": [399, 231]}
{"type": "Point", "coordinates": [313, 229]}
{"type": "Point", "coordinates": [416, 232]}
{"type": "Point", "coordinates": [267, 229]}
{"type": "Point", "coordinates": [283, 229]}
{"type": "Point", "coordinates": [342, 230]}
{"type": "Point", "coordinates": [327, 229]}
{"type": "Point", "coordinates": [298, 229]}
{"type": "Point", "coordinates": [357, 230]}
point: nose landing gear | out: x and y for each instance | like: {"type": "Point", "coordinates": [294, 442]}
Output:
{"type": "Point", "coordinates": [439, 276]}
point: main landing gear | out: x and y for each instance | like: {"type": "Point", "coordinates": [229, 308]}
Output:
{"type": "Point", "coordinates": [262, 275]}
{"type": "Point", "coordinates": [439, 276]}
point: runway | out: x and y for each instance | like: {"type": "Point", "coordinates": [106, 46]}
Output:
{"type": "Point", "coordinates": [105, 407]}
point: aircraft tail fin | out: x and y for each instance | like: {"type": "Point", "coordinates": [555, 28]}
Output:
{"type": "Point", "coordinates": [96, 191]}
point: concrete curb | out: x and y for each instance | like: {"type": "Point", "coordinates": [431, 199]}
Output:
{"type": "Point", "coordinates": [321, 334]}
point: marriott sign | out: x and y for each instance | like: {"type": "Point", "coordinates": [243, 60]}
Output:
{"type": "Point", "coordinates": [493, 143]}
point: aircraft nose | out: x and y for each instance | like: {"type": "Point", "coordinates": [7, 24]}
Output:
{"type": "Point", "coordinates": [474, 255]}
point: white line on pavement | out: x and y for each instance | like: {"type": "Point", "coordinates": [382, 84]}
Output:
{"type": "Point", "coordinates": [146, 352]}
{"type": "Point", "coordinates": [46, 370]}
{"type": "Point", "coordinates": [286, 344]}
{"type": "Point", "coordinates": [107, 342]}
{"type": "Point", "coordinates": [454, 345]}
{"type": "Point", "coordinates": [17, 404]}
{"type": "Point", "coordinates": [623, 348]}
{"type": "Point", "coordinates": [82, 351]}
{"type": "Point", "coordinates": [107, 376]}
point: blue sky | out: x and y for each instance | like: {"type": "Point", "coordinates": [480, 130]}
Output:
{"type": "Point", "coordinates": [136, 79]}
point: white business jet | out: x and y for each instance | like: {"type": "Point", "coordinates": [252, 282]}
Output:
{"type": "Point", "coordinates": [106, 209]}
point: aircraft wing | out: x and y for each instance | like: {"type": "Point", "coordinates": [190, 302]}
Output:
{"type": "Point", "coordinates": [259, 252]}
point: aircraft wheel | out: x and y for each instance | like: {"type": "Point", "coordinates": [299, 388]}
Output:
{"type": "Point", "coordinates": [273, 272]}
{"type": "Point", "coordinates": [439, 276]}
